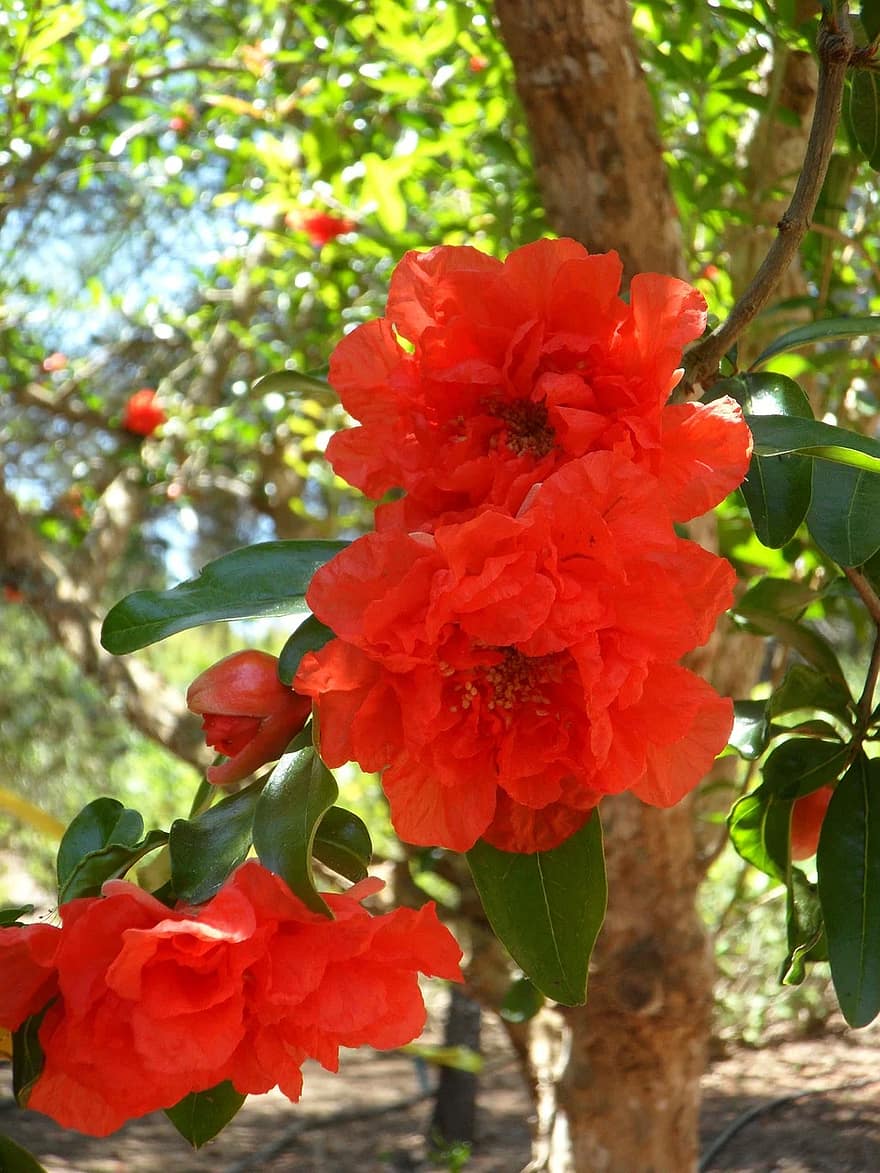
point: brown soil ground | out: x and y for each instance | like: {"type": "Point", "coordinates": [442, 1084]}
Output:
{"type": "Point", "coordinates": [816, 1106]}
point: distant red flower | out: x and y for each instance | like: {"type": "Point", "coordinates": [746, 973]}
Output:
{"type": "Point", "coordinates": [178, 124]}
{"type": "Point", "coordinates": [710, 272]}
{"type": "Point", "coordinates": [154, 1003]}
{"type": "Point", "coordinates": [514, 368]}
{"type": "Point", "coordinates": [321, 227]}
{"type": "Point", "coordinates": [142, 414]}
{"type": "Point", "coordinates": [477, 63]}
{"type": "Point", "coordinates": [248, 714]}
{"type": "Point", "coordinates": [55, 362]}
{"type": "Point", "coordinates": [504, 666]}
{"type": "Point", "coordinates": [12, 593]}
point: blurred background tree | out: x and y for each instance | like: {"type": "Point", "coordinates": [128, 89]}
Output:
{"type": "Point", "coordinates": [194, 196]}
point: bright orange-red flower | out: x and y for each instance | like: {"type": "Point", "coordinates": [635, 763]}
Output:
{"type": "Point", "coordinates": [807, 816]}
{"type": "Point", "coordinates": [142, 413]}
{"type": "Point", "coordinates": [321, 227]}
{"type": "Point", "coordinates": [154, 1003]}
{"type": "Point", "coordinates": [504, 663]}
{"type": "Point", "coordinates": [247, 713]}
{"type": "Point", "coordinates": [513, 368]}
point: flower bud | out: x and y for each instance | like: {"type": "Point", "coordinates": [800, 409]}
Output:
{"type": "Point", "coordinates": [247, 713]}
{"type": "Point", "coordinates": [807, 817]}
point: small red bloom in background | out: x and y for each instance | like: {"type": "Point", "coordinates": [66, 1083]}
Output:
{"type": "Point", "coordinates": [320, 227]}
{"type": "Point", "coordinates": [807, 817]}
{"type": "Point", "coordinates": [55, 362]}
{"type": "Point", "coordinates": [12, 593]}
{"type": "Point", "coordinates": [151, 1003]}
{"type": "Point", "coordinates": [710, 272]}
{"type": "Point", "coordinates": [142, 414]}
{"type": "Point", "coordinates": [248, 714]}
{"type": "Point", "coordinates": [477, 63]}
{"type": "Point", "coordinates": [178, 124]}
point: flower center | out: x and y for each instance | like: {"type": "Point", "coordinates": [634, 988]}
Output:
{"type": "Point", "coordinates": [528, 429]}
{"type": "Point", "coordinates": [513, 681]}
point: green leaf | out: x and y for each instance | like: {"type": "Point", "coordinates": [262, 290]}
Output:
{"type": "Point", "coordinates": [751, 729]}
{"type": "Point", "coordinates": [269, 578]}
{"type": "Point", "coordinates": [289, 382]}
{"type": "Point", "coordinates": [848, 862]}
{"type": "Point", "coordinates": [776, 489]}
{"type": "Point", "coordinates": [759, 831]}
{"type": "Point", "coordinates": [343, 844]}
{"type": "Point", "coordinates": [778, 596]}
{"type": "Point", "coordinates": [299, 792]}
{"type": "Point", "coordinates": [804, 687]}
{"type": "Point", "coordinates": [204, 850]}
{"type": "Point", "coordinates": [459, 1058]}
{"type": "Point", "coordinates": [200, 1116]}
{"type": "Point", "coordinates": [824, 331]}
{"type": "Point", "coordinates": [812, 646]}
{"type": "Point", "coordinates": [521, 1002]}
{"type": "Point", "coordinates": [844, 518]}
{"type": "Point", "coordinates": [801, 765]}
{"type": "Point", "coordinates": [27, 1057]}
{"type": "Point", "coordinates": [547, 908]}
{"type": "Point", "coordinates": [15, 1159]}
{"type": "Point", "coordinates": [863, 114]}
{"type": "Point", "coordinates": [11, 916]}
{"type": "Point", "coordinates": [870, 17]}
{"type": "Point", "coordinates": [311, 635]}
{"type": "Point", "coordinates": [805, 928]}
{"type": "Point", "coordinates": [103, 841]}
{"type": "Point", "coordinates": [777, 433]}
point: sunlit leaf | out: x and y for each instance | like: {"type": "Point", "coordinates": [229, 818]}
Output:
{"type": "Point", "coordinates": [828, 330]}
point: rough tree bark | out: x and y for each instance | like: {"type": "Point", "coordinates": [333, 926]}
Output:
{"type": "Point", "coordinates": [618, 1079]}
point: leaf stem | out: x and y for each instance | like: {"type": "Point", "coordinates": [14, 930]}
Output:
{"type": "Point", "coordinates": [836, 48]}
{"type": "Point", "coordinates": [872, 604]}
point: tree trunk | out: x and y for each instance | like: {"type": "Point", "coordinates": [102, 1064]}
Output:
{"type": "Point", "coordinates": [618, 1080]}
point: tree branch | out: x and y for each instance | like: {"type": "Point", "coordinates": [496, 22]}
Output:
{"type": "Point", "coordinates": [836, 49]}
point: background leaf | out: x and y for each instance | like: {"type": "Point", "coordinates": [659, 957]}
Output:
{"type": "Point", "coordinates": [199, 1116]}
{"type": "Point", "coordinates": [823, 331]}
{"type": "Point", "coordinates": [269, 578]}
{"type": "Point", "coordinates": [848, 862]}
{"type": "Point", "coordinates": [102, 843]}
{"type": "Point", "coordinates": [15, 1159]}
{"type": "Point", "coordinates": [844, 517]}
{"type": "Point", "coordinates": [863, 113]}
{"type": "Point", "coordinates": [547, 908]}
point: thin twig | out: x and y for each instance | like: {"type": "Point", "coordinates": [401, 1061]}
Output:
{"type": "Point", "coordinates": [835, 47]}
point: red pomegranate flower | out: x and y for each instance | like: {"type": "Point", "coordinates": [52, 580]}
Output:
{"type": "Point", "coordinates": [142, 413]}
{"type": "Point", "coordinates": [321, 227]}
{"type": "Point", "coordinates": [154, 1003]}
{"type": "Point", "coordinates": [504, 666]}
{"type": "Point", "coordinates": [248, 714]}
{"type": "Point", "coordinates": [510, 369]}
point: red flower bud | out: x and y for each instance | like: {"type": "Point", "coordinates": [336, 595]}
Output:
{"type": "Point", "coordinates": [807, 817]}
{"type": "Point", "coordinates": [248, 714]}
{"type": "Point", "coordinates": [320, 227]}
{"type": "Point", "coordinates": [142, 413]}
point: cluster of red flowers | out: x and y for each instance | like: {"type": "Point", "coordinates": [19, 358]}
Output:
{"type": "Point", "coordinates": [508, 638]}
{"type": "Point", "coordinates": [147, 1004]}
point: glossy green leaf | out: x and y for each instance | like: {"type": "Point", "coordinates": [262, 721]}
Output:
{"type": "Point", "coordinates": [11, 916]}
{"type": "Point", "coordinates": [751, 729]}
{"type": "Point", "coordinates": [776, 433]}
{"type": "Point", "coordinates": [776, 489]}
{"type": "Point", "coordinates": [269, 578]}
{"type": "Point", "coordinates": [804, 687]}
{"type": "Point", "coordinates": [759, 831]}
{"type": "Point", "coordinates": [200, 1116]}
{"type": "Point", "coordinates": [289, 382]}
{"type": "Point", "coordinates": [521, 1002]}
{"type": "Point", "coordinates": [205, 849]}
{"type": "Point", "coordinates": [547, 908]}
{"type": "Point", "coordinates": [15, 1159]}
{"type": "Point", "coordinates": [311, 635]}
{"type": "Point", "coordinates": [848, 862]}
{"type": "Point", "coordinates": [802, 764]}
{"type": "Point", "coordinates": [343, 844]}
{"type": "Point", "coordinates": [103, 842]}
{"type": "Point", "coordinates": [844, 518]}
{"type": "Point", "coordinates": [824, 331]}
{"type": "Point", "coordinates": [805, 928]}
{"type": "Point", "coordinates": [863, 114]}
{"type": "Point", "coordinates": [870, 16]}
{"type": "Point", "coordinates": [779, 596]}
{"type": "Point", "coordinates": [298, 794]}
